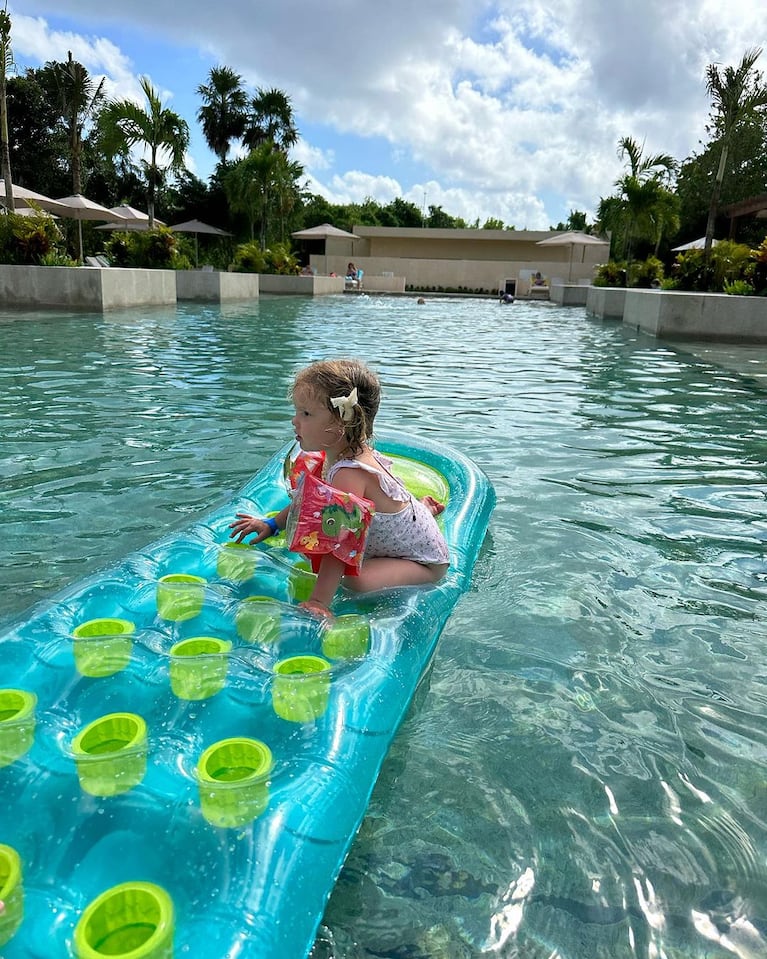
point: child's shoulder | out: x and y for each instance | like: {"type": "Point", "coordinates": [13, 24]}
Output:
{"type": "Point", "coordinates": [366, 461]}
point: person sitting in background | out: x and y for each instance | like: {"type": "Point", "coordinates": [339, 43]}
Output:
{"type": "Point", "coordinates": [351, 272]}
{"type": "Point", "coordinates": [307, 271]}
{"type": "Point", "coordinates": [538, 279]}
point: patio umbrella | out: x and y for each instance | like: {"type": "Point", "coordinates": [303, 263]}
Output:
{"type": "Point", "coordinates": [79, 207]}
{"type": "Point", "coordinates": [197, 227]}
{"type": "Point", "coordinates": [133, 219]}
{"type": "Point", "coordinates": [693, 245]}
{"type": "Point", "coordinates": [572, 239]}
{"type": "Point", "coordinates": [24, 197]}
{"type": "Point", "coordinates": [31, 211]}
{"type": "Point", "coordinates": [323, 232]}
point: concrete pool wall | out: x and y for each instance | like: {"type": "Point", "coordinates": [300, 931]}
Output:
{"type": "Point", "coordinates": [214, 286]}
{"type": "Point", "coordinates": [84, 288]}
{"type": "Point", "coordinates": [94, 288]}
{"type": "Point", "coordinates": [676, 315]}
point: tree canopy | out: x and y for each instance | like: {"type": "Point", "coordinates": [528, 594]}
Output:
{"type": "Point", "coordinates": [737, 95]}
{"type": "Point", "coordinates": [63, 136]}
{"type": "Point", "coordinates": [164, 135]}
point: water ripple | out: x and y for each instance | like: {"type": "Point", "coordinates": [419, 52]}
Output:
{"type": "Point", "coordinates": [583, 775]}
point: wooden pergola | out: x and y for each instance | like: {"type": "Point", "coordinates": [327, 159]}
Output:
{"type": "Point", "coordinates": [753, 206]}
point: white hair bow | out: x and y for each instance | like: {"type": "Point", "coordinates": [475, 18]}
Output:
{"type": "Point", "coordinates": [345, 405]}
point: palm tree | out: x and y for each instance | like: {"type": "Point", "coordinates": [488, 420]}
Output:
{"type": "Point", "coordinates": [287, 192]}
{"type": "Point", "coordinates": [6, 64]}
{"type": "Point", "coordinates": [78, 99]}
{"type": "Point", "coordinates": [271, 121]}
{"type": "Point", "coordinates": [248, 186]}
{"type": "Point", "coordinates": [641, 190]}
{"type": "Point", "coordinates": [223, 115]}
{"type": "Point", "coordinates": [736, 94]}
{"type": "Point", "coordinates": [160, 131]}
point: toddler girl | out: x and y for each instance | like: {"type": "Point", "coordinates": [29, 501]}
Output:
{"type": "Point", "coordinates": [336, 402]}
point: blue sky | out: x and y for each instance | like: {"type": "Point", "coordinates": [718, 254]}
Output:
{"type": "Point", "coordinates": [504, 109]}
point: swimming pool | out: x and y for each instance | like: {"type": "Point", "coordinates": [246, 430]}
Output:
{"type": "Point", "coordinates": [585, 774]}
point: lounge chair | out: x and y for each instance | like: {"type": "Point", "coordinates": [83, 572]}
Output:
{"type": "Point", "coordinates": [354, 284]}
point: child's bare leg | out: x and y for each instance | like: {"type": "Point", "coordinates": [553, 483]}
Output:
{"type": "Point", "coordinates": [434, 506]}
{"type": "Point", "coordinates": [383, 572]}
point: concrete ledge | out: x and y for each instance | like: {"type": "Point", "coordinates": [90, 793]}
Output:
{"type": "Point", "coordinates": [606, 302]}
{"type": "Point", "coordinates": [320, 285]}
{"type": "Point", "coordinates": [717, 317]}
{"type": "Point", "coordinates": [382, 284]}
{"type": "Point", "coordinates": [216, 287]}
{"type": "Point", "coordinates": [121, 288]}
{"type": "Point", "coordinates": [569, 294]}
{"type": "Point", "coordinates": [84, 288]}
{"type": "Point", "coordinates": [302, 285]}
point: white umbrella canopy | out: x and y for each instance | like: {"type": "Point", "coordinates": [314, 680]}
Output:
{"type": "Point", "coordinates": [197, 227]}
{"type": "Point", "coordinates": [129, 212]}
{"type": "Point", "coordinates": [698, 244]}
{"type": "Point", "coordinates": [322, 232]}
{"type": "Point", "coordinates": [572, 238]}
{"type": "Point", "coordinates": [133, 219]}
{"type": "Point", "coordinates": [79, 207]}
{"type": "Point", "coordinates": [24, 197]}
{"type": "Point", "coordinates": [128, 226]}
{"type": "Point", "coordinates": [31, 211]}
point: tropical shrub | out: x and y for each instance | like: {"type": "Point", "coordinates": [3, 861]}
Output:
{"type": "Point", "coordinates": [610, 274]}
{"type": "Point", "coordinates": [249, 258]}
{"type": "Point", "coordinates": [27, 240]}
{"type": "Point", "coordinates": [279, 259]}
{"type": "Point", "coordinates": [729, 262]}
{"type": "Point", "coordinates": [759, 268]}
{"type": "Point", "coordinates": [647, 273]}
{"type": "Point", "coordinates": [738, 288]}
{"type": "Point", "coordinates": [689, 271]}
{"type": "Point", "coordinates": [147, 249]}
{"type": "Point", "coordinates": [57, 258]}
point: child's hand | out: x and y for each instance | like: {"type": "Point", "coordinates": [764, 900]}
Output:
{"type": "Point", "coordinates": [245, 524]}
{"type": "Point", "coordinates": [316, 608]}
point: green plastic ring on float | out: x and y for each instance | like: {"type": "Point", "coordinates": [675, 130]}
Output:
{"type": "Point", "coordinates": [102, 647]}
{"type": "Point", "coordinates": [236, 561]}
{"type": "Point", "coordinates": [300, 688]}
{"type": "Point", "coordinates": [180, 596]}
{"type": "Point", "coordinates": [17, 724]}
{"type": "Point", "coordinates": [131, 921]}
{"type": "Point", "coordinates": [258, 620]}
{"type": "Point", "coordinates": [11, 893]}
{"type": "Point", "coordinates": [198, 666]}
{"type": "Point", "coordinates": [346, 637]}
{"type": "Point", "coordinates": [233, 779]}
{"type": "Point", "coordinates": [110, 754]}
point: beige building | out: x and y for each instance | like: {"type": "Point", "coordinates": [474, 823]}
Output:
{"type": "Point", "coordinates": [486, 260]}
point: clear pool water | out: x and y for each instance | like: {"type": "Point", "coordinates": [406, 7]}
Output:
{"type": "Point", "coordinates": [586, 773]}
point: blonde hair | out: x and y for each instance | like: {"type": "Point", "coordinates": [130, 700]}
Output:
{"type": "Point", "coordinates": [328, 379]}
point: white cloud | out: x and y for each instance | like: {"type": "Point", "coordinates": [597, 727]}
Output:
{"type": "Point", "coordinates": [311, 157]}
{"type": "Point", "coordinates": [503, 109]}
{"type": "Point", "coordinates": [34, 41]}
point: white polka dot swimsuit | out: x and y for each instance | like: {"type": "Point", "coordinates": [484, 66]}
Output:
{"type": "Point", "coordinates": [412, 533]}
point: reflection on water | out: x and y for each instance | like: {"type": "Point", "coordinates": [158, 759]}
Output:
{"type": "Point", "coordinates": [584, 773]}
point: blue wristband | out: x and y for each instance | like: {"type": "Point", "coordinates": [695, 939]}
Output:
{"type": "Point", "coordinates": [271, 522]}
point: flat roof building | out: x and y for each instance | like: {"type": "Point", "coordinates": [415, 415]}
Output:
{"type": "Point", "coordinates": [474, 260]}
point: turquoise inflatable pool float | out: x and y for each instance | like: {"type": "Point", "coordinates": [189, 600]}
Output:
{"type": "Point", "coordinates": [185, 756]}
